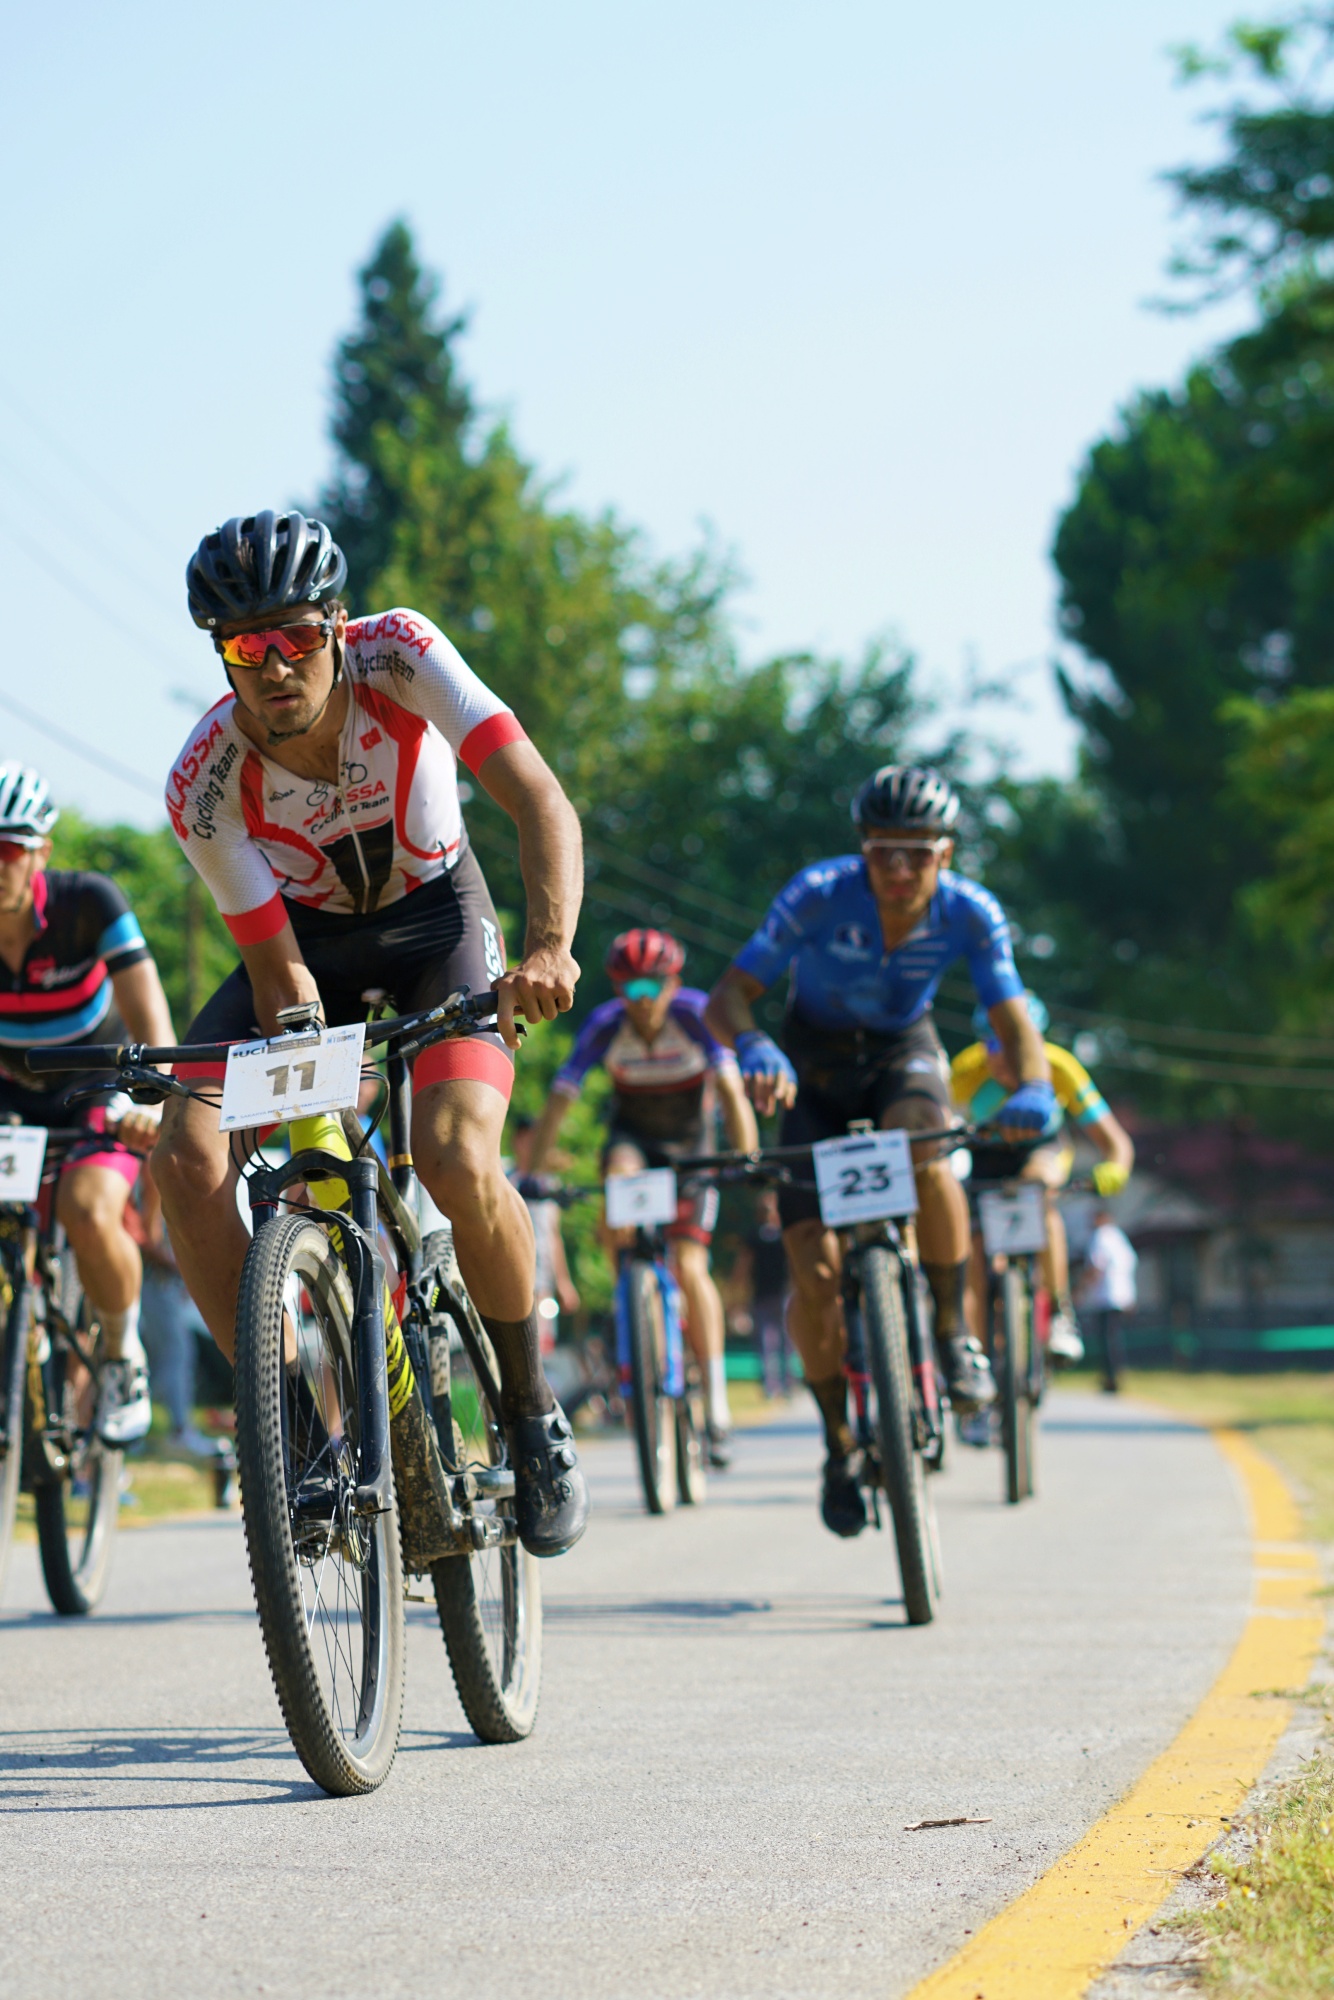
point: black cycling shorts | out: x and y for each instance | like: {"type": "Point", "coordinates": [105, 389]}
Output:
{"type": "Point", "coordinates": [842, 1075]}
{"type": "Point", "coordinates": [419, 950]}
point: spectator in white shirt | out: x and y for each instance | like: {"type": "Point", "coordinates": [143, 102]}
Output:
{"type": "Point", "coordinates": [1107, 1291]}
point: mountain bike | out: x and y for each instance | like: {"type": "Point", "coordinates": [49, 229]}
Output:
{"type": "Point", "coordinates": [1010, 1214]}
{"type": "Point", "coordinates": [50, 1373]}
{"type": "Point", "coordinates": [660, 1383]}
{"type": "Point", "coordinates": [899, 1411]}
{"type": "Point", "coordinates": [368, 1426]}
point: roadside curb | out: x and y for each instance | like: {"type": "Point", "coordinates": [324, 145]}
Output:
{"type": "Point", "coordinates": [1053, 1941]}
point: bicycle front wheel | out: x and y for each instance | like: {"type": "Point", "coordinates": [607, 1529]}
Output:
{"type": "Point", "coordinates": [17, 1297]}
{"type": "Point", "coordinates": [78, 1507]}
{"type": "Point", "coordinates": [691, 1430]}
{"type": "Point", "coordinates": [328, 1582]}
{"type": "Point", "coordinates": [654, 1410]}
{"type": "Point", "coordinates": [902, 1469]}
{"type": "Point", "coordinates": [1014, 1303]}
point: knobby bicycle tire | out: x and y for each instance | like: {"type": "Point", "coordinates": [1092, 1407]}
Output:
{"type": "Point", "coordinates": [76, 1531]}
{"type": "Point", "coordinates": [654, 1413]}
{"type": "Point", "coordinates": [328, 1585]}
{"type": "Point", "coordinates": [13, 1360]}
{"type": "Point", "coordinates": [904, 1474]}
{"type": "Point", "coordinates": [489, 1602]}
{"type": "Point", "coordinates": [1017, 1420]}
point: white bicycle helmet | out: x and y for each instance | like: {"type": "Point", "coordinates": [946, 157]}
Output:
{"type": "Point", "coordinates": [26, 812]}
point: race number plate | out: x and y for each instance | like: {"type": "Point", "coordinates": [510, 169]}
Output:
{"type": "Point", "coordinates": [22, 1151]}
{"type": "Point", "coordinates": [267, 1083]}
{"type": "Point", "coordinates": [638, 1201]}
{"type": "Point", "coordinates": [866, 1177]}
{"type": "Point", "coordinates": [1014, 1220]}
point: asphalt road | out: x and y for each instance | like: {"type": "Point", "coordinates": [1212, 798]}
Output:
{"type": "Point", "coordinates": [736, 1728]}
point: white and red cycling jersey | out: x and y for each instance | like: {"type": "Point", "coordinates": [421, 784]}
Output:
{"type": "Point", "coordinates": [257, 833]}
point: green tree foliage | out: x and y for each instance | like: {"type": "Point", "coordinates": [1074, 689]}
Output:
{"type": "Point", "coordinates": [702, 784]}
{"type": "Point", "coordinates": [1197, 575]}
{"type": "Point", "coordinates": [187, 937]}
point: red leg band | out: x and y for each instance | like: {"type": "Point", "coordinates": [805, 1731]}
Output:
{"type": "Point", "coordinates": [469, 1057]}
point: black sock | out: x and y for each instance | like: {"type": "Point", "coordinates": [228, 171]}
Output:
{"type": "Point", "coordinates": [524, 1391]}
{"type": "Point", "coordinates": [947, 1283]}
{"type": "Point", "coordinates": [831, 1396]}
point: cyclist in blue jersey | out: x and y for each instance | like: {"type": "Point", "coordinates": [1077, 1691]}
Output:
{"type": "Point", "coordinates": [866, 940]}
{"type": "Point", "coordinates": [73, 968]}
{"type": "Point", "coordinates": [668, 1074]}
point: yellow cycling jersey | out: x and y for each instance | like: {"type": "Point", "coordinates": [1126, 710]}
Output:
{"type": "Point", "coordinates": [976, 1090]}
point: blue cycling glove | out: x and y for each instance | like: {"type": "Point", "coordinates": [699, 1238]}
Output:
{"type": "Point", "coordinates": [1031, 1109]}
{"type": "Point", "coordinates": [758, 1055]}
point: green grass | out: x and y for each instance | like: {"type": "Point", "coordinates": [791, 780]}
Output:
{"type": "Point", "coordinates": [1270, 1935]}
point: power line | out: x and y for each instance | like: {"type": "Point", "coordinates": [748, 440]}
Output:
{"type": "Point", "coordinates": [81, 591]}
{"type": "Point", "coordinates": [81, 749]}
{"type": "Point", "coordinates": [106, 494]}
{"type": "Point", "coordinates": [656, 878]}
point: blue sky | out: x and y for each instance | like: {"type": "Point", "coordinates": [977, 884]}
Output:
{"type": "Point", "coordinates": [857, 284]}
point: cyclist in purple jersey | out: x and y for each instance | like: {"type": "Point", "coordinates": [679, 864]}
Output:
{"type": "Point", "coordinates": [74, 968]}
{"type": "Point", "coordinates": [666, 1070]}
{"type": "Point", "coordinates": [866, 940]}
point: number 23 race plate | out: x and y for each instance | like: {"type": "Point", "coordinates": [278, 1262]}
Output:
{"type": "Point", "coordinates": [267, 1083]}
{"type": "Point", "coordinates": [866, 1177]}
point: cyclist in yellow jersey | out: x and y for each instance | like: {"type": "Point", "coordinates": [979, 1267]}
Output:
{"type": "Point", "coordinates": [981, 1080]}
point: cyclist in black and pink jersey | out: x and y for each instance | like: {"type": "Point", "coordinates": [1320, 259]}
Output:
{"type": "Point", "coordinates": [319, 802]}
{"type": "Point", "coordinates": [74, 968]}
{"type": "Point", "coordinates": [670, 1076]}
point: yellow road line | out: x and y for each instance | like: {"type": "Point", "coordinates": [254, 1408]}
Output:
{"type": "Point", "coordinates": [1052, 1942]}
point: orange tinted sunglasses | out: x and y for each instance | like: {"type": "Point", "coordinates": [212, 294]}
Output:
{"type": "Point", "coordinates": [294, 642]}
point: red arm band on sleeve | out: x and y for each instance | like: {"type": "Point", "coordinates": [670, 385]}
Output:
{"type": "Point", "coordinates": [253, 926]}
{"type": "Point", "coordinates": [493, 734]}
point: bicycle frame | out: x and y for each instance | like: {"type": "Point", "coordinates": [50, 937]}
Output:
{"type": "Point", "coordinates": [650, 1247]}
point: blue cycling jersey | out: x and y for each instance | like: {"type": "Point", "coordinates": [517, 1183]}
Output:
{"type": "Point", "coordinates": [824, 927]}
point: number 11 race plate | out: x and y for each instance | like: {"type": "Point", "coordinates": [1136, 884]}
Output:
{"type": "Point", "coordinates": [22, 1151]}
{"type": "Point", "coordinates": [266, 1084]}
{"type": "Point", "coordinates": [867, 1177]}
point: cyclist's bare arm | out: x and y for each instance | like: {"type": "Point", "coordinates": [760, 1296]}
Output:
{"type": "Point", "coordinates": [142, 1006]}
{"type": "Point", "coordinates": [1020, 1040]}
{"type": "Point", "coordinates": [743, 1134]}
{"type": "Point", "coordinates": [279, 976]}
{"type": "Point", "coordinates": [730, 1013]}
{"type": "Point", "coordinates": [551, 860]}
{"type": "Point", "coordinates": [547, 1127]}
{"type": "Point", "coordinates": [1112, 1140]}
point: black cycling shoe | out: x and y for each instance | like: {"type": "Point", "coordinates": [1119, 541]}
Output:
{"type": "Point", "coordinates": [968, 1376]}
{"type": "Point", "coordinates": [719, 1447]}
{"type": "Point", "coordinates": [842, 1508]}
{"type": "Point", "coordinates": [550, 1492]}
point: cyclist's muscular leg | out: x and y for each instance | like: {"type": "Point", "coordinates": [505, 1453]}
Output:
{"type": "Point", "coordinates": [456, 1131]}
{"type": "Point", "coordinates": [944, 1237]}
{"type": "Point", "coordinates": [90, 1205]}
{"type": "Point", "coordinates": [196, 1179]}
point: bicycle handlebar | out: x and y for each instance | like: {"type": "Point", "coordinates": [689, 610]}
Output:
{"type": "Point", "coordinates": [413, 1031]}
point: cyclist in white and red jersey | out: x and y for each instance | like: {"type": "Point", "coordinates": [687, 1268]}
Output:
{"type": "Point", "coordinates": [319, 802]}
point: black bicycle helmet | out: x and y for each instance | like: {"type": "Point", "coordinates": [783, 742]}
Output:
{"type": "Point", "coordinates": [257, 565]}
{"type": "Point", "coordinates": [907, 797]}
